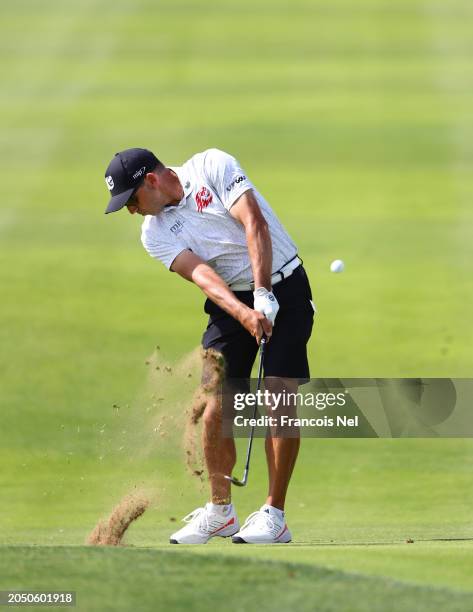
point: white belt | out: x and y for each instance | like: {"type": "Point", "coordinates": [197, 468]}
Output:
{"type": "Point", "coordinates": [278, 276]}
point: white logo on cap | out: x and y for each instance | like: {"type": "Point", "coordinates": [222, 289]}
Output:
{"type": "Point", "coordinates": [109, 182]}
{"type": "Point", "coordinates": [139, 172]}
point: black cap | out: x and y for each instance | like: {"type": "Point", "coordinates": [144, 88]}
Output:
{"type": "Point", "coordinates": [125, 173]}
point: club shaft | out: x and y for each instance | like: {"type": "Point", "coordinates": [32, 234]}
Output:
{"type": "Point", "coordinates": [258, 385]}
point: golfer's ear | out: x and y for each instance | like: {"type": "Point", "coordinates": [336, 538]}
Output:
{"type": "Point", "coordinates": [152, 179]}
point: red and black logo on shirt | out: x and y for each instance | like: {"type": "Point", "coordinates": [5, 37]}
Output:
{"type": "Point", "coordinates": [203, 198]}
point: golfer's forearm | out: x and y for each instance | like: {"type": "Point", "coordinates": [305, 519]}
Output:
{"type": "Point", "coordinates": [218, 291]}
{"type": "Point", "coordinates": [261, 252]}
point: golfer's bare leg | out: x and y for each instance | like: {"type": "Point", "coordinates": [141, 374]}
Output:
{"type": "Point", "coordinates": [219, 452]}
{"type": "Point", "coordinates": [281, 452]}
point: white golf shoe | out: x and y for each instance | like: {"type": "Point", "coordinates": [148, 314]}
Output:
{"type": "Point", "coordinates": [266, 526]}
{"type": "Point", "coordinates": [205, 523]}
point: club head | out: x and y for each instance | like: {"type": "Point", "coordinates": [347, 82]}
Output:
{"type": "Point", "coordinates": [236, 482]}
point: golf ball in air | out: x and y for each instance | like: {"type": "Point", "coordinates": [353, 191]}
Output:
{"type": "Point", "coordinates": [337, 266]}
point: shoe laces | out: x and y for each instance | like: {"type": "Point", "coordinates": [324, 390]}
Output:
{"type": "Point", "coordinates": [199, 516]}
{"type": "Point", "coordinates": [259, 517]}
{"type": "Point", "coordinates": [195, 515]}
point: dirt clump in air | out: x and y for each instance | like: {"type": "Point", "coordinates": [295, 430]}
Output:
{"type": "Point", "coordinates": [110, 532]}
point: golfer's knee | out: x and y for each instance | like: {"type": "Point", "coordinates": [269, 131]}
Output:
{"type": "Point", "coordinates": [213, 413]}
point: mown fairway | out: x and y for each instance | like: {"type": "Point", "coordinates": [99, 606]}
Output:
{"type": "Point", "coordinates": [354, 119]}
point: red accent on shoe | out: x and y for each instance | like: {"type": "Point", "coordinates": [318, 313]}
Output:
{"type": "Point", "coordinates": [280, 534]}
{"type": "Point", "coordinates": [230, 522]}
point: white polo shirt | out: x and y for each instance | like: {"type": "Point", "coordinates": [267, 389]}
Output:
{"type": "Point", "coordinates": [212, 182]}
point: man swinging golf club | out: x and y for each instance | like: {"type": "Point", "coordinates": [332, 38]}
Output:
{"type": "Point", "coordinates": [207, 222]}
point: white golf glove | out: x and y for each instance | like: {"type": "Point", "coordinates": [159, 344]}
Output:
{"type": "Point", "coordinates": [266, 303]}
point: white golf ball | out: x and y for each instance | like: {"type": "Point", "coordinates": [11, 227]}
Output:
{"type": "Point", "coordinates": [337, 266]}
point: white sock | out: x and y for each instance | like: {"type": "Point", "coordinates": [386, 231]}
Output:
{"type": "Point", "coordinates": [272, 510]}
{"type": "Point", "coordinates": [221, 508]}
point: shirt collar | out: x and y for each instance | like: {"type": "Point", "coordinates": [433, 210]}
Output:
{"type": "Point", "coordinates": [186, 183]}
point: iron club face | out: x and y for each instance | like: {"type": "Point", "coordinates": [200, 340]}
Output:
{"type": "Point", "coordinates": [236, 482]}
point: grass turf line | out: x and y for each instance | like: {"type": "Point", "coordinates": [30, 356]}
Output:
{"type": "Point", "coordinates": [122, 579]}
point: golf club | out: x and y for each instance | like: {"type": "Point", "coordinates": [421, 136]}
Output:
{"type": "Point", "coordinates": [244, 480]}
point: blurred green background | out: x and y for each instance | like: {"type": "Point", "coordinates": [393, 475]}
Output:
{"type": "Point", "coordinates": [354, 120]}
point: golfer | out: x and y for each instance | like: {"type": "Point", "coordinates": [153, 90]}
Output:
{"type": "Point", "coordinates": [206, 221]}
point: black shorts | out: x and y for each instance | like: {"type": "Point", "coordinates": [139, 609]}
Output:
{"type": "Point", "coordinates": [286, 352]}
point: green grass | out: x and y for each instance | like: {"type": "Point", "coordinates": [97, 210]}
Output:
{"type": "Point", "coordinates": [354, 120]}
{"type": "Point", "coordinates": [178, 580]}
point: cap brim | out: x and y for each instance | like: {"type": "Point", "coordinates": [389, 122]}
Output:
{"type": "Point", "coordinates": [119, 201]}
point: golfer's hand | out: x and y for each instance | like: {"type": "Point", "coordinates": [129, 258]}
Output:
{"type": "Point", "coordinates": [266, 303]}
{"type": "Point", "coordinates": [257, 324]}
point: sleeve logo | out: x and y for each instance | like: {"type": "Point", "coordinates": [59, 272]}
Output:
{"type": "Point", "coordinates": [203, 198]}
{"type": "Point", "coordinates": [235, 181]}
